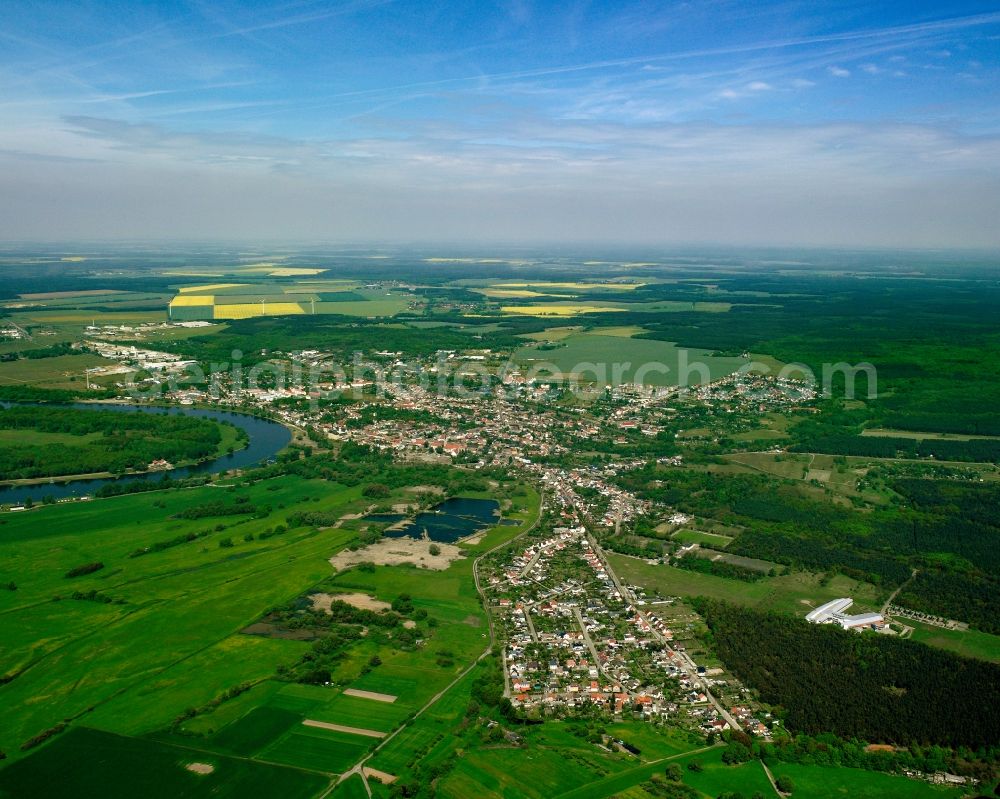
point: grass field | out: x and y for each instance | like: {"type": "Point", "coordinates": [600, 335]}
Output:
{"type": "Point", "coordinates": [317, 749]}
{"type": "Point", "coordinates": [554, 762]}
{"type": "Point", "coordinates": [791, 593]}
{"type": "Point", "coordinates": [353, 788]}
{"type": "Point", "coordinates": [885, 433]}
{"type": "Point", "coordinates": [9, 437]}
{"type": "Point", "coordinates": [971, 643]}
{"type": "Point", "coordinates": [568, 286]}
{"type": "Point", "coordinates": [699, 537]}
{"type": "Point", "coordinates": [352, 711]}
{"type": "Point", "coordinates": [62, 371]}
{"type": "Point", "coordinates": [261, 727]}
{"type": "Point", "coordinates": [660, 363]}
{"type": "Point", "coordinates": [174, 640]}
{"type": "Point", "coordinates": [85, 762]}
{"type": "Point", "coordinates": [819, 782]}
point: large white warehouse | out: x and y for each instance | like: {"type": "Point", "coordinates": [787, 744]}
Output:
{"type": "Point", "coordinates": [834, 612]}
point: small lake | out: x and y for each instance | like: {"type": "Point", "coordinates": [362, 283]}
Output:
{"type": "Point", "coordinates": [447, 522]}
{"type": "Point", "coordinates": [266, 439]}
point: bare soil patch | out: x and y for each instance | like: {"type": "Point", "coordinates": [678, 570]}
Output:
{"type": "Point", "coordinates": [200, 768]}
{"type": "Point", "coordinates": [369, 695]}
{"type": "Point", "coordinates": [396, 551]}
{"type": "Point", "coordinates": [362, 601]}
{"type": "Point", "coordinates": [381, 776]}
{"type": "Point", "coordinates": [325, 725]}
{"type": "Point", "coordinates": [426, 489]}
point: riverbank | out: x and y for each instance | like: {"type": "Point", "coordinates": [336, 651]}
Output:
{"type": "Point", "coordinates": [230, 438]}
{"type": "Point", "coordinates": [265, 439]}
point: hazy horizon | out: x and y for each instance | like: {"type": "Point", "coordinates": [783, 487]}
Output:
{"type": "Point", "coordinates": [835, 125]}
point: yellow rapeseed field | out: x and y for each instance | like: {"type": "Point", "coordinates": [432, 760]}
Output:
{"type": "Point", "coordinates": [208, 287]}
{"type": "Point", "coordinates": [555, 310]}
{"type": "Point", "coordinates": [245, 310]}
{"type": "Point", "coordinates": [192, 299]}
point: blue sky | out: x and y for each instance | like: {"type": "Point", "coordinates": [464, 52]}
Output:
{"type": "Point", "coordinates": [843, 123]}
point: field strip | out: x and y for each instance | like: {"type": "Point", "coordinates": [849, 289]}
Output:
{"type": "Point", "coordinates": [369, 695]}
{"type": "Point", "coordinates": [381, 776]}
{"type": "Point", "coordinates": [325, 725]}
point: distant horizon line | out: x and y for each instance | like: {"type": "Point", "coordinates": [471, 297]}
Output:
{"type": "Point", "coordinates": [458, 244]}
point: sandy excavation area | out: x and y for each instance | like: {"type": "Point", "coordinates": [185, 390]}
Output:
{"type": "Point", "coordinates": [362, 601]}
{"type": "Point", "coordinates": [394, 551]}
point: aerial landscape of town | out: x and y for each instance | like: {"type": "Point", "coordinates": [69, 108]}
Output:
{"type": "Point", "coordinates": [488, 549]}
{"type": "Point", "coordinates": [507, 399]}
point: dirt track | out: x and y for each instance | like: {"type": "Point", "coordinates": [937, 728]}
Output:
{"type": "Point", "coordinates": [325, 725]}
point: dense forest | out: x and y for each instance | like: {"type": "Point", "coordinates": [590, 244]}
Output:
{"type": "Point", "coordinates": [101, 441]}
{"type": "Point", "coordinates": [857, 685]}
{"type": "Point", "coordinates": [947, 529]}
{"type": "Point", "coordinates": [978, 450]}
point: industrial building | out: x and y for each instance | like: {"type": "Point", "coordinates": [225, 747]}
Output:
{"type": "Point", "coordinates": [834, 612]}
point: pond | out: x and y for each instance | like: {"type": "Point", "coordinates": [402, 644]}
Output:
{"type": "Point", "coordinates": [446, 522]}
{"type": "Point", "coordinates": [266, 439]}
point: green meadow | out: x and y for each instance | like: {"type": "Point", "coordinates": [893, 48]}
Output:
{"type": "Point", "coordinates": [86, 762]}
{"type": "Point", "coordinates": [792, 593]}
{"type": "Point", "coordinates": [658, 363]}
{"type": "Point", "coordinates": [820, 782]}
{"type": "Point", "coordinates": [168, 636]}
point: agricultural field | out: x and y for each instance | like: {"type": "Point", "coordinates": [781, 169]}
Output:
{"type": "Point", "coordinates": [595, 356]}
{"type": "Point", "coordinates": [86, 762]}
{"type": "Point", "coordinates": [119, 655]}
{"type": "Point", "coordinates": [224, 301]}
{"type": "Point", "coordinates": [132, 663]}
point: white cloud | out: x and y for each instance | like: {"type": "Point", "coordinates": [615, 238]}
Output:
{"type": "Point", "coordinates": [534, 180]}
{"type": "Point", "coordinates": [871, 69]}
{"type": "Point", "coordinates": [839, 72]}
{"type": "Point", "coordinates": [759, 86]}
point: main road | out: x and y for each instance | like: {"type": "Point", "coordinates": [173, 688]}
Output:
{"type": "Point", "coordinates": [685, 662]}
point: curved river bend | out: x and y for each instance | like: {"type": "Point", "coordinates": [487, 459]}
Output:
{"type": "Point", "coordinates": [266, 439]}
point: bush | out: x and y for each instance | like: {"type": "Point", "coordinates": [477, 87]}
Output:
{"type": "Point", "coordinates": [376, 491]}
{"type": "Point", "coordinates": [86, 568]}
{"type": "Point", "coordinates": [403, 604]}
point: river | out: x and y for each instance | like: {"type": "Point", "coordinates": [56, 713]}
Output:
{"type": "Point", "coordinates": [266, 439]}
